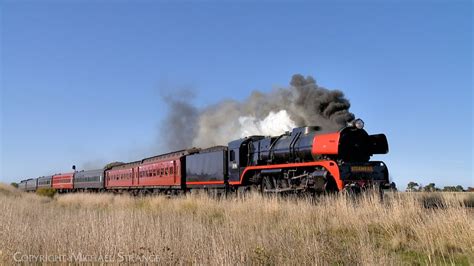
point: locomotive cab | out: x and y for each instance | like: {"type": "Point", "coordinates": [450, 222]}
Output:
{"type": "Point", "coordinates": [238, 156]}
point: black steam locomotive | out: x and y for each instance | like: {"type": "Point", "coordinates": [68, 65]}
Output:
{"type": "Point", "coordinates": [308, 159]}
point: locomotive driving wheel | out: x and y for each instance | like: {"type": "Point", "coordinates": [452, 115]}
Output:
{"type": "Point", "coordinates": [267, 185]}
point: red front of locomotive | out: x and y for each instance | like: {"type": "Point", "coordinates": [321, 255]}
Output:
{"type": "Point", "coordinates": [351, 148]}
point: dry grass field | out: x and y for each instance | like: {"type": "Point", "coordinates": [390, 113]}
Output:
{"type": "Point", "coordinates": [252, 230]}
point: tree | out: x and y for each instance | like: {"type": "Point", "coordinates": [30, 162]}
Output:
{"type": "Point", "coordinates": [459, 188]}
{"type": "Point", "coordinates": [15, 185]}
{"type": "Point", "coordinates": [431, 187]}
{"type": "Point", "coordinates": [449, 189]}
{"type": "Point", "coordinates": [412, 186]}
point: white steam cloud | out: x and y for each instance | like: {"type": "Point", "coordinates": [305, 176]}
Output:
{"type": "Point", "coordinates": [274, 124]}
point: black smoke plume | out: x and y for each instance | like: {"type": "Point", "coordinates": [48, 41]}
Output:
{"type": "Point", "coordinates": [304, 103]}
{"type": "Point", "coordinates": [180, 125]}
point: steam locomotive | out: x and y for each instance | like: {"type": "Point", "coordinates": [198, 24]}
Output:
{"type": "Point", "coordinates": [307, 159]}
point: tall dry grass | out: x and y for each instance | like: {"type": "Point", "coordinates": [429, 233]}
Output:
{"type": "Point", "coordinates": [198, 229]}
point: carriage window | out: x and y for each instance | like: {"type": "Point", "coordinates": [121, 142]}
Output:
{"type": "Point", "coordinates": [171, 170]}
{"type": "Point", "coordinates": [232, 156]}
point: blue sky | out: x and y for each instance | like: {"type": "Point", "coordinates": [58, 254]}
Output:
{"type": "Point", "coordinates": [81, 81]}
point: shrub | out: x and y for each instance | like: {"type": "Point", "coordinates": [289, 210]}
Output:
{"type": "Point", "coordinates": [469, 201]}
{"type": "Point", "coordinates": [7, 190]}
{"type": "Point", "coordinates": [433, 200]}
{"type": "Point", "coordinates": [46, 192]}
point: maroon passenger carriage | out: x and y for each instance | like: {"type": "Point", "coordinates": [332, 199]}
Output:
{"type": "Point", "coordinates": [171, 172]}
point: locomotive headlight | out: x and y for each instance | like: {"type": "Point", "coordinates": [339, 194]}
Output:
{"type": "Point", "coordinates": [358, 123]}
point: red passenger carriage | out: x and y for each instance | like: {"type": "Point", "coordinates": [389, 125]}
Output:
{"type": "Point", "coordinates": [163, 171]}
{"type": "Point", "coordinates": [63, 181]}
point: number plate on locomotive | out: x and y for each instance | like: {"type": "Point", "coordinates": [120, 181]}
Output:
{"type": "Point", "coordinates": [363, 169]}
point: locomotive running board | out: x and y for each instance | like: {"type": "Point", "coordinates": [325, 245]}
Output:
{"type": "Point", "coordinates": [281, 190]}
{"type": "Point", "coordinates": [329, 165]}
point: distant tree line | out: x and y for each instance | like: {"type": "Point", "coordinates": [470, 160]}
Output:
{"type": "Point", "coordinates": [431, 187]}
